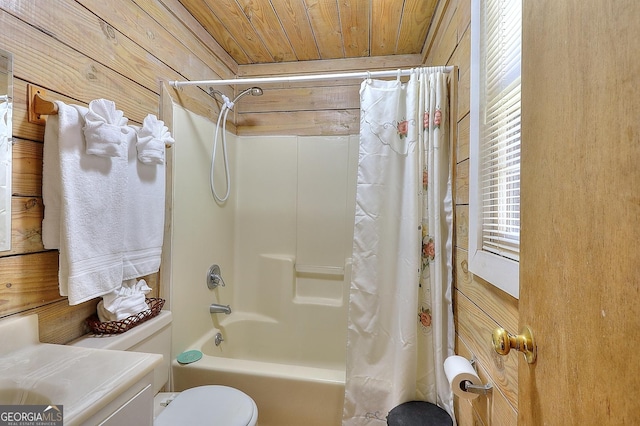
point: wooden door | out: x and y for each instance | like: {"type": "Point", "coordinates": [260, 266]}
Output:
{"type": "Point", "coordinates": [580, 258]}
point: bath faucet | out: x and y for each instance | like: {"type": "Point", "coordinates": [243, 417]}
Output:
{"type": "Point", "coordinates": [219, 309]}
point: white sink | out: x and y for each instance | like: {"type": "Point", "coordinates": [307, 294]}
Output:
{"type": "Point", "coordinates": [18, 396]}
{"type": "Point", "coordinates": [83, 380]}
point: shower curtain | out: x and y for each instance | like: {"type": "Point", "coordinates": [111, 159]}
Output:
{"type": "Point", "coordinates": [400, 327]}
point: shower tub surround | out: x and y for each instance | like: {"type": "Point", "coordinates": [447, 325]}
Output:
{"type": "Point", "coordinates": [283, 241]}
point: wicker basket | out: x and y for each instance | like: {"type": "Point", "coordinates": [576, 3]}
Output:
{"type": "Point", "coordinates": [117, 327]}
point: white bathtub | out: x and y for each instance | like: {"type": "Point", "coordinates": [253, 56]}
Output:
{"type": "Point", "coordinates": [292, 374]}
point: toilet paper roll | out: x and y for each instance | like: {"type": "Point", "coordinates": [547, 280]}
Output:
{"type": "Point", "coordinates": [458, 370]}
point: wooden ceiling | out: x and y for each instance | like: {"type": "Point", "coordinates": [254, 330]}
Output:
{"type": "Point", "coordinates": [280, 31]}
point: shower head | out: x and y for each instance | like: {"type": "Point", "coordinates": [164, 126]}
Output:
{"type": "Point", "coordinates": [255, 91]}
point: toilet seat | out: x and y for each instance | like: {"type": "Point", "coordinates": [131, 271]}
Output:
{"type": "Point", "coordinates": [209, 405]}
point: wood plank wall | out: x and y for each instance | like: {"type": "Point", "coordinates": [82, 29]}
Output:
{"type": "Point", "coordinates": [329, 107]}
{"type": "Point", "coordinates": [79, 51]}
{"type": "Point", "coordinates": [478, 306]}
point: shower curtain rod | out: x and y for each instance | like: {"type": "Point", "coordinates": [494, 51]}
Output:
{"type": "Point", "coordinates": [309, 77]}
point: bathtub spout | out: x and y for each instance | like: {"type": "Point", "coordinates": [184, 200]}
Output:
{"type": "Point", "coordinates": [219, 309]}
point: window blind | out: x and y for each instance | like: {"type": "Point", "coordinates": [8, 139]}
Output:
{"type": "Point", "coordinates": [499, 149]}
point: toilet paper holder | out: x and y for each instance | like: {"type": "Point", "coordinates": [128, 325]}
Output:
{"type": "Point", "coordinates": [467, 386]}
{"type": "Point", "coordinates": [485, 389]}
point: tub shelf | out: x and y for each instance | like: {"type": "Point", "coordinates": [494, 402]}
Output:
{"type": "Point", "coordinates": [320, 270]}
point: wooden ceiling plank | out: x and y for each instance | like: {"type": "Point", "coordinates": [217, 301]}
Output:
{"type": "Point", "coordinates": [293, 18]}
{"type": "Point", "coordinates": [286, 31]}
{"type": "Point", "coordinates": [416, 17]}
{"type": "Point", "coordinates": [213, 26]}
{"type": "Point", "coordinates": [325, 21]}
{"type": "Point", "coordinates": [264, 20]}
{"type": "Point", "coordinates": [354, 18]}
{"type": "Point", "coordinates": [236, 23]}
{"type": "Point", "coordinates": [385, 23]}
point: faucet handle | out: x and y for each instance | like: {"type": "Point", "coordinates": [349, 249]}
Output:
{"type": "Point", "coordinates": [214, 277]}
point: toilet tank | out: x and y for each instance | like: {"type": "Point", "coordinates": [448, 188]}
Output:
{"type": "Point", "coordinates": [152, 336]}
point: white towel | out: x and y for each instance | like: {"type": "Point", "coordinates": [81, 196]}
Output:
{"type": "Point", "coordinates": [124, 302]}
{"type": "Point", "coordinates": [152, 139]}
{"type": "Point", "coordinates": [144, 212]}
{"type": "Point", "coordinates": [90, 211]}
{"type": "Point", "coordinates": [104, 129]}
{"type": "Point", "coordinates": [5, 176]}
{"type": "Point", "coordinates": [51, 185]}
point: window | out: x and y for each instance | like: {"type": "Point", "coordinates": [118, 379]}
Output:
{"type": "Point", "coordinates": [494, 176]}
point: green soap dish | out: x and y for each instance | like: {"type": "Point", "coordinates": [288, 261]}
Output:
{"type": "Point", "coordinates": [189, 356]}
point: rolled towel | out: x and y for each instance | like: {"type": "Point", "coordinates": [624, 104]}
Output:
{"type": "Point", "coordinates": [104, 129]}
{"type": "Point", "coordinates": [152, 138]}
{"type": "Point", "coordinates": [124, 302]}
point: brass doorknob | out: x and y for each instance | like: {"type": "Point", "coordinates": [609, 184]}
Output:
{"type": "Point", "coordinates": [503, 342]}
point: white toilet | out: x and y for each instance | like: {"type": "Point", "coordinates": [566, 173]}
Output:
{"type": "Point", "coordinates": [202, 405]}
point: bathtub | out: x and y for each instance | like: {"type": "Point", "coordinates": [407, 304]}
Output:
{"type": "Point", "coordinates": [294, 379]}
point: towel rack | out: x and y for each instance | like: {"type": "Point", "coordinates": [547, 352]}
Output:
{"type": "Point", "coordinates": [39, 105]}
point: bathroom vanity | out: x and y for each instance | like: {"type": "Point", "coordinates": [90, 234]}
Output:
{"type": "Point", "coordinates": [94, 386]}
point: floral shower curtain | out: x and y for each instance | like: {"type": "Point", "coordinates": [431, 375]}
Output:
{"type": "Point", "coordinates": [400, 310]}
